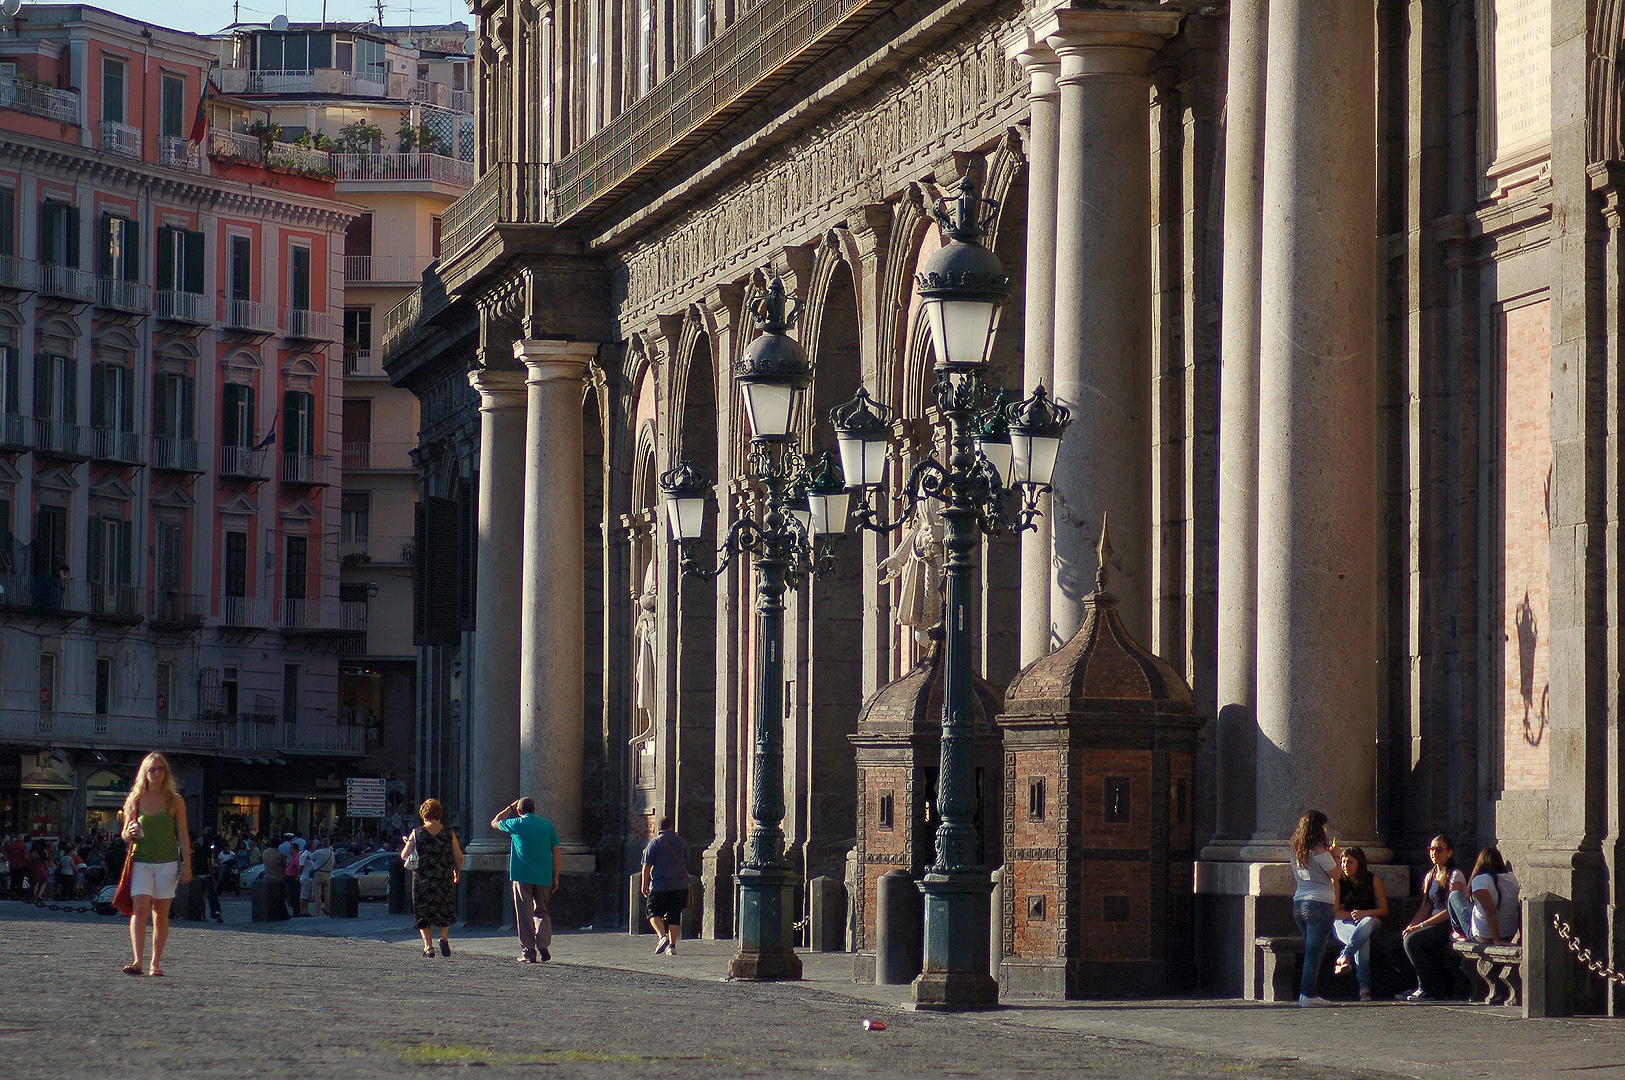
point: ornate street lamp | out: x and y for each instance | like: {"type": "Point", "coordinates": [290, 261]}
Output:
{"type": "Point", "coordinates": [991, 454]}
{"type": "Point", "coordinates": [787, 540]}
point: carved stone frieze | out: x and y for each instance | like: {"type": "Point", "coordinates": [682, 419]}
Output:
{"type": "Point", "coordinates": [862, 155]}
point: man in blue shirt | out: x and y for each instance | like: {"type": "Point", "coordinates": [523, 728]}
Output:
{"type": "Point", "coordinates": [533, 867]}
{"type": "Point", "coordinates": [665, 884]}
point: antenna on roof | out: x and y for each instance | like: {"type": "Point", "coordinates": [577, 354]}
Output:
{"type": "Point", "coordinates": [380, 12]}
{"type": "Point", "coordinates": [279, 23]}
{"type": "Point", "coordinates": [10, 8]}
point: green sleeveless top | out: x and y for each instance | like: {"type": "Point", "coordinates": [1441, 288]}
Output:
{"type": "Point", "coordinates": [158, 843]}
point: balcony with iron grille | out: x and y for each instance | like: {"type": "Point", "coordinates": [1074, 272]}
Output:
{"type": "Point", "coordinates": [245, 612]}
{"type": "Point", "coordinates": [375, 550]}
{"type": "Point", "coordinates": [115, 603]}
{"type": "Point", "coordinates": [121, 139]}
{"type": "Point", "coordinates": [173, 610]}
{"type": "Point", "coordinates": [363, 363]}
{"type": "Point", "coordinates": [127, 296]}
{"type": "Point", "coordinates": [243, 463]}
{"type": "Point", "coordinates": [177, 152]}
{"type": "Point", "coordinates": [375, 456]}
{"type": "Point", "coordinates": [175, 305]}
{"type": "Point", "coordinates": [44, 594]}
{"type": "Point", "coordinates": [26, 95]}
{"type": "Point", "coordinates": [111, 444]}
{"type": "Point", "coordinates": [385, 269]}
{"type": "Point", "coordinates": [19, 274]}
{"type": "Point", "coordinates": [177, 455]}
{"type": "Point", "coordinates": [308, 325]}
{"type": "Point", "coordinates": [308, 469]}
{"type": "Point", "coordinates": [388, 172]}
{"type": "Point", "coordinates": [67, 283]}
{"type": "Point", "coordinates": [58, 438]}
{"type": "Point", "coordinates": [337, 618]}
{"type": "Point", "coordinates": [248, 316]}
{"type": "Point", "coordinates": [16, 432]}
{"type": "Point", "coordinates": [113, 731]}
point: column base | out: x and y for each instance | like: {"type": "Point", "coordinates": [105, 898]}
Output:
{"type": "Point", "coordinates": [955, 973]}
{"type": "Point", "coordinates": [483, 892]}
{"type": "Point", "coordinates": [767, 916]}
{"type": "Point", "coordinates": [717, 878]}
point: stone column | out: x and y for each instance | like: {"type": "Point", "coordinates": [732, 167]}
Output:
{"type": "Point", "coordinates": [493, 714]}
{"type": "Point", "coordinates": [1044, 120]}
{"type": "Point", "coordinates": [552, 658]}
{"type": "Point", "coordinates": [1236, 735]}
{"type": "Point", "coordinates": [1102, 351]}
{"type": "Point", "coordinates": [1317, 472]}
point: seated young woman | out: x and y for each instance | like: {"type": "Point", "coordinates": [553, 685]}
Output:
{"type": "Point", "coordinates": [1362, 902]}
{"type": "Point", "coordinates": [1490, 914]}
{"type": "Point", "coordinates": [1426, 938]}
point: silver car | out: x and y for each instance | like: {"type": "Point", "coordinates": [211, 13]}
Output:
{"type": "Point", "coordinates": [371, 873]}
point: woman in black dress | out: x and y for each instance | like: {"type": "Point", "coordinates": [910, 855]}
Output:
{"type": "Point", "coordinates": [434, 884]}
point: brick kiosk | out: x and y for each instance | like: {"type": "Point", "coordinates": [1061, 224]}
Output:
{"type": "Point", "coordinates": [898, 749]}
{"type": "Point", "coordinates": [1098, 742]}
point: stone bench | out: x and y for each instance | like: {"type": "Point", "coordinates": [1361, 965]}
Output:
{"type": "Point", "coordinates": [1280, 957]}
{"type": "Point", "coordinates": [1496, 971]}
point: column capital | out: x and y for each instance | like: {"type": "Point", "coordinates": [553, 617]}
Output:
{"type": "Point", "coordinates": [499, 388]}
{"type": "Point", "coordinates": [1034, 54]}
{"type": "Point", "coordinates": [546, 359]}
{"type": "Point", "coordinates": [1114, 42]}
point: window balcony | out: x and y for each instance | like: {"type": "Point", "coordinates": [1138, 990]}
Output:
{"type": "Point", "coordinates": [60, 438]}
{"type": "Point", "coordinates": [111, 444]}
{"type": "Point", "coordinates": [117, 603]}
{"type": "Point", "coordinates": [308, 325]}
{"type": "Point", "coordinates": [44, 594]}
{"type": "Point", "coordinates": [174, 610]}
{"type": "Point", "coordinates": [386, 269]}
{"type": "Point", "coordinates": [299, 159]}
{"type": "Point", "coordinates": [18, 273]}
{"type": "Point", "coordinates": [183, 307]}
{"type": "Point", "coordinates": [37, 99]}
{"type": "Point", "coordinates": [130, 296]}
{"type": "Point", "coordinates": [177, 152]}
{"type": "Point", "coordinates": [100, 731]}
{"type": "Point", "coordinates": [304, 469]}
{"type": "Point", "coordinates": [340, 617]}
{"type": "Point", "coordinates": [121, 139]}
{"type": "Point", "coordinates": [67, 282]}
{"type": "Point", "coordinates": [379, 456]}
{"type": "Point", "coordinates": [248, 316]}
{"type": "Point", "coordinates": [245, 612]}
{"type": "Point", "coordinates": [398, 168]}
{"type": "Point", "coordinates": [233, 145]}
{"type": "Point", "coordinates": [250, 735]}
{"type": "Point", "coordinates": [16, 432]}
{"type": "Point", "coordinates": [362, 362]}
{"type": "Point", "coordinates": [376, 550]}
{"type": "Point", "coordinates": [242, 463]}
{"type": "Point", "coordinates": [177, 455]}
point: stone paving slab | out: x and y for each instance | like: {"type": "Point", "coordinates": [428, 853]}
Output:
{"type": "Point", "coordinates": [355, 998]}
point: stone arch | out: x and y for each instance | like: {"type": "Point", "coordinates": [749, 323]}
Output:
{"type": "Point", "coordinates": [910, 227]}
{"type": "Point", "coordinates": [833, 281]}
{"type": "Point", "coordinates": [694, 711]}
{"type": "Point", "coordinates": [1605, 133]}
{"type": "Point", "coordinates": [116, 337]}
{"type": "Point", "coordinates": [1006, 176]}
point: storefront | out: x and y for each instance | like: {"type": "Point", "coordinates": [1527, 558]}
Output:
{"type": "Point", "coordinates": [47, 791]}
{"type": "Point", "coordinates": [105, 792]}
{"type": "Point", "coordinates": [239, 815]}
{"type": "Point", "coordinates": [10, 798]}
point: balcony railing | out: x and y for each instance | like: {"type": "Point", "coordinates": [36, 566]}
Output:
{"type": "Point", "coordinates": [339, 615]}
{"type": "Point", "coordinates": [510, 193]}
{"type": "Point", "coordinates": [364, 362]}
{"type": "Point", "coordinates": [59, 437]}
{"type": "Point", "coordinates": [398, 167]}
{"type": "Point", "coordinates": [121, 139]}
{"type": "Point", "coordinates": [177, 152]}
{"type": "Point", "coordinates": [248, 315]}
{"type": "Point", "coordinates": [183, 307]}
{"type": "Point", "coordinates": [16, 431]}
{"type": "Point", "coordinates": [178, 455]}
{"type": "Point", "coordinates": [246, 735]}
{"type": "Point", "coordinates": [375, 549]}
{"type": "Point", "coordinates": [766, 45]}
{"type": "Point", "coordinates": [311, 325]}
{"type": "Point", "coordinates": [385, 268]}
{"type": "Point", "coordinates": [245, 612]}
{"type": "Point", "coordinates": [112, 731]}
{"type": "Point", "coordinates": [116, 601]}
{"type": "Point", "coordinates": [298, 158]}
{"type": "Point", "coordinates": [378, 455]}
{"type": "Point", "coordinates": [242, 462]}
{"type": "Point", "coordinates": [18, 273]}
{"type": "Point", "coordinates": [67, 282]}
{"type": "Point", "coordinates": [233, 145]}
{"type": "Point", "coordinates": [35, 98]}
{"type": "Point", "coordinates": [131, 296]}
{"type": "Point", "coordinates": [44, 594]}
{"type": "Point", "coordinates": [173, 609]}
{"type": "Point", "coordinates": [304, 468]}
{"type": "Point", "coordinates": [111, 444]}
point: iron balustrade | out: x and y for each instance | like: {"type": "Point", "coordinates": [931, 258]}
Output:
{"type": "Point", "coordinates": [67, 282]}
{"type": "Point", "coordinates": [59, 437]}
{"type": "Point", "coordinates": [172, 608]}
{"type": "Point", "coordinates": [398, 167]}
{"type": "Point", "coordinates": [243, 462]}
{"type": "Point", "coordinates": [176, 152]}
{"type": "Point", "coordinates": [402, 320]}
{"type": "Point", "coordinates": [245, 612]}
{"type": "Point", "coordinates": [18, 273]}
{"type": "Point", "coordinates": [376, 455]}
{"type": "Point", "coordinates": [337, 615]}
{"type": "Point", "coordinates": [375, 548]}
{"type": "Point", "coordinates": [111, 444]}
{"type": "Point", "coordinates": [112, 730]}
{"type": "Point", "coordinates": [248, 315]}
{"type": "Point", "coordinates": [362, 362]}
{"type": "Point", "coordinates": [386, 269]}
{"type": "Point", "coordinates": [304, 468]}
{"type": "Point", "coordinates": [763, 47]}
{"type": "Point", "coordinates": [311, 325]}
{"type": "Point", "coordinates": [183, 307]}
{"type": "Point", "coordinates": [179, 455]}
{"type": "Point", "coordinates": [510, 193]}
{"type": "Point", "coordinates": [233, 145]}
{"type": "Point", "coordinates": [118, 295]}
{"type": "Point", "coordinates": [115, 601]}
{"type": "Point", "coordinates": [37, 99]}
{"type": "Point", "coordinates": [120, 138]}
{"type": "Point", "coordinates": [16, 431]}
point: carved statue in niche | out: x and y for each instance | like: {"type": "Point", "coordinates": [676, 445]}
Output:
{"type": "Point", "coordinates": [915, 569]}
{"type": "Point", "coordinates": [644, 672]}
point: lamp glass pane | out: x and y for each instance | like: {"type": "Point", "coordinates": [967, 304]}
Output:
{"type": "Point", "coordinates": [771, 408]}
{"type": "Point", "coordinates": [1042, 464]}
{"type": "Point", "coordinates": [685, 518]}
{"type": "Point", "coordinates": [998, 455]}
{"type": "Point", "coordinates": [829, 513]}
{"type": "Point", "coordinates": [875, 453]}
{"type": "Point", "coordinates": [961, 329]}
{"type": "Point", "coordinates": [863, 461]}
{"type": "Point", "coordinates": [804, 517]}
{"type": "Point", "coordinates": [1021, 456]}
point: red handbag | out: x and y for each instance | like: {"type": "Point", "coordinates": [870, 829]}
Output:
{"type": "Point", "coordinates": [123, 903]}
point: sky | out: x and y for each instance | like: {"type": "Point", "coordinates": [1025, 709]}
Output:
{"type": "Point", "coordinates": [207, 16]}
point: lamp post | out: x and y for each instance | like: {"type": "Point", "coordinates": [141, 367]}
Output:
{"type": "Point", "coordinates": [796, 505]}
{"type": "Point", "coordinates": [992, 452]}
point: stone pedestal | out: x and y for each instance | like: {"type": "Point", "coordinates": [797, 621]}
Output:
{"type": "Point", "coordinates": [767, 914]}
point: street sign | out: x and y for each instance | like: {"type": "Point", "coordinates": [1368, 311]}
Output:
{"type": "Point", "coordinates": [364, 796]}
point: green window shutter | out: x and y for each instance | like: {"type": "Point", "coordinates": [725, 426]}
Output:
{"type": "Point", "coordinates": [94, 562]}
{"type": "Point", "coordinates": [70, 390]}
{"type": "Point", "coordinates": [8, 221]}
{"type": "Point", "coordinates": [108, 251]}
{"type": "Point", "coordinates": [166, 257]}
{"type": "Point", "coordinates": [126, 378]}
{"type": "Point", "coordinates": [131, 271]}
{"type": "Point", "coordinates": [99, 386]}
{"type": "Point", "coordinates": [47, 241]}
{"type": "Point", "coordinates": [42, 385]}
{"type": "Point", "coordinates": [192, 278]}
{"type": "Point", "coordinates": [71, 254]}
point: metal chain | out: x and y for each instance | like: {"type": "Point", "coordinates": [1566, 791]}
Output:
{"type": "Point", "coordinates": [1583, 954]}
{"type": "Point", "coordinates": [48, 906]}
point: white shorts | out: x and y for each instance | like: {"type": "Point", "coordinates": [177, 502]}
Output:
{"type": "Point", "coordinates": [154, 879]}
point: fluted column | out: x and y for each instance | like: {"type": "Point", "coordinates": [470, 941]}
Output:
{"type": "Point", "coordinates": [493, 714]}
{"type": "Point", "coordinates": [1317, 493]}
{"type": "Point", "coordinates": [1043, 133]}
{"type": "Point", "coordinates": [1237, 733]}
{"type": "Point", "coordinates": [552, 658]}
{"type": "Point", "coordinates": [1102, 354]}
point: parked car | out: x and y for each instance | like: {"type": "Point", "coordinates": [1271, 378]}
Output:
{"type": "Point", "coordinates": [371, 873]}
{"type": "Point", "coordinates": [103, 903]}
{"type": "Point", "coordinates": [251, 875]}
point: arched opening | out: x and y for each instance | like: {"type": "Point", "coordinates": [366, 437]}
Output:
{"type": "Point", "coordinates": [602, 739]}
{"type": "Point", "coordinates": [696, 705]}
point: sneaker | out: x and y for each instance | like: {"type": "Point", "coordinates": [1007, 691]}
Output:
{"type": "Point", "coordinates": [671, 949]}
{"type": "Point", "coordinates": [1415, 995]}
{"type": "Point", "coordinates": [1365, 995]}
{"type": "Point", "coordinates": [662, 947]}
{"type": "Point", "coordinates": [526, 958]}
{"type": "Point", "coordinates": [545, 956]}
{"type": "Point", "coordinates": [1307, 1002]}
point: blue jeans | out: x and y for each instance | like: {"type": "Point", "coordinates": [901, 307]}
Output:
{"type": "Point", "coordinates": [1356, 939]}
{"type": "Point", "coordinates": [1314, 919]}
{"type": "Point", "coordinates": [1461, 914]}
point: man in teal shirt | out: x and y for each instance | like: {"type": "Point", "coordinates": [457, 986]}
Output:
{"type": "Point", "coordinates": [533, 867]}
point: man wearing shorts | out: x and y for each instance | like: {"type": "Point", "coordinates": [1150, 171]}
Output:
{"type": "Point", "coordinates": [533, 867]}
{"type": "Point", "coordinates": [665, 884]}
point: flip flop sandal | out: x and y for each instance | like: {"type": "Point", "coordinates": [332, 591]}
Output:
{"type": "Point", "coordinates": [133, 968]}
{"type": "Point", "coordinates": [155, 973]}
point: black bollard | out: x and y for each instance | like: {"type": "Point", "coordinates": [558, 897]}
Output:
{"type": "Point", "coordinates": [191, 902]}
{"type": "Point", "coordinates": [1548, 966]}
{"type": "Point", "coordinates": [899, 929]}
{"type": "Point", "coordinates": [268, 901]}
{"type": "Point", "coordinates": [344, 900]}
{"type": "Point", "coordinates": [399, 901]}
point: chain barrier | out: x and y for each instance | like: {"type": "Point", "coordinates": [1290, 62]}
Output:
{"type": "Point", "coordinates": [1583, 954]}
{"type": "Point", "coordinates": [48, 905]}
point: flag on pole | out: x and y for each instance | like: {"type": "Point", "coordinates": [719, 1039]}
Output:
{"type": "Point", "coordinates": [200, 125]}
{"type": "Point", "coordinates": [270, 436]}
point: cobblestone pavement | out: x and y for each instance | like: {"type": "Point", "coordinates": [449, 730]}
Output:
{"type": "Point", "coordinates": [354, 998]}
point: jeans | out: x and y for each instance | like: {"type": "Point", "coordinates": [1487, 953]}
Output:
{"type": "Point", "coordinates": [1314, 919]}
{"type": "Point", "coordinates": [1461, 914]}
{"type": "Point", "coordinates": [1356, 939]}
{"type": "Point", "coordinates": [212, 893]}
{"type": "Point", "coordinates": [1428, 949]}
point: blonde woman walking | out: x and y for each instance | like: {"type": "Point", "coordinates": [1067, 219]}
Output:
{"type": "Point", "coordinates": [155, 826]}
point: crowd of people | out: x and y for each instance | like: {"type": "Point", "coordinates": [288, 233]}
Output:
{"type": "Point", "coordinates": [1338, 897]}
